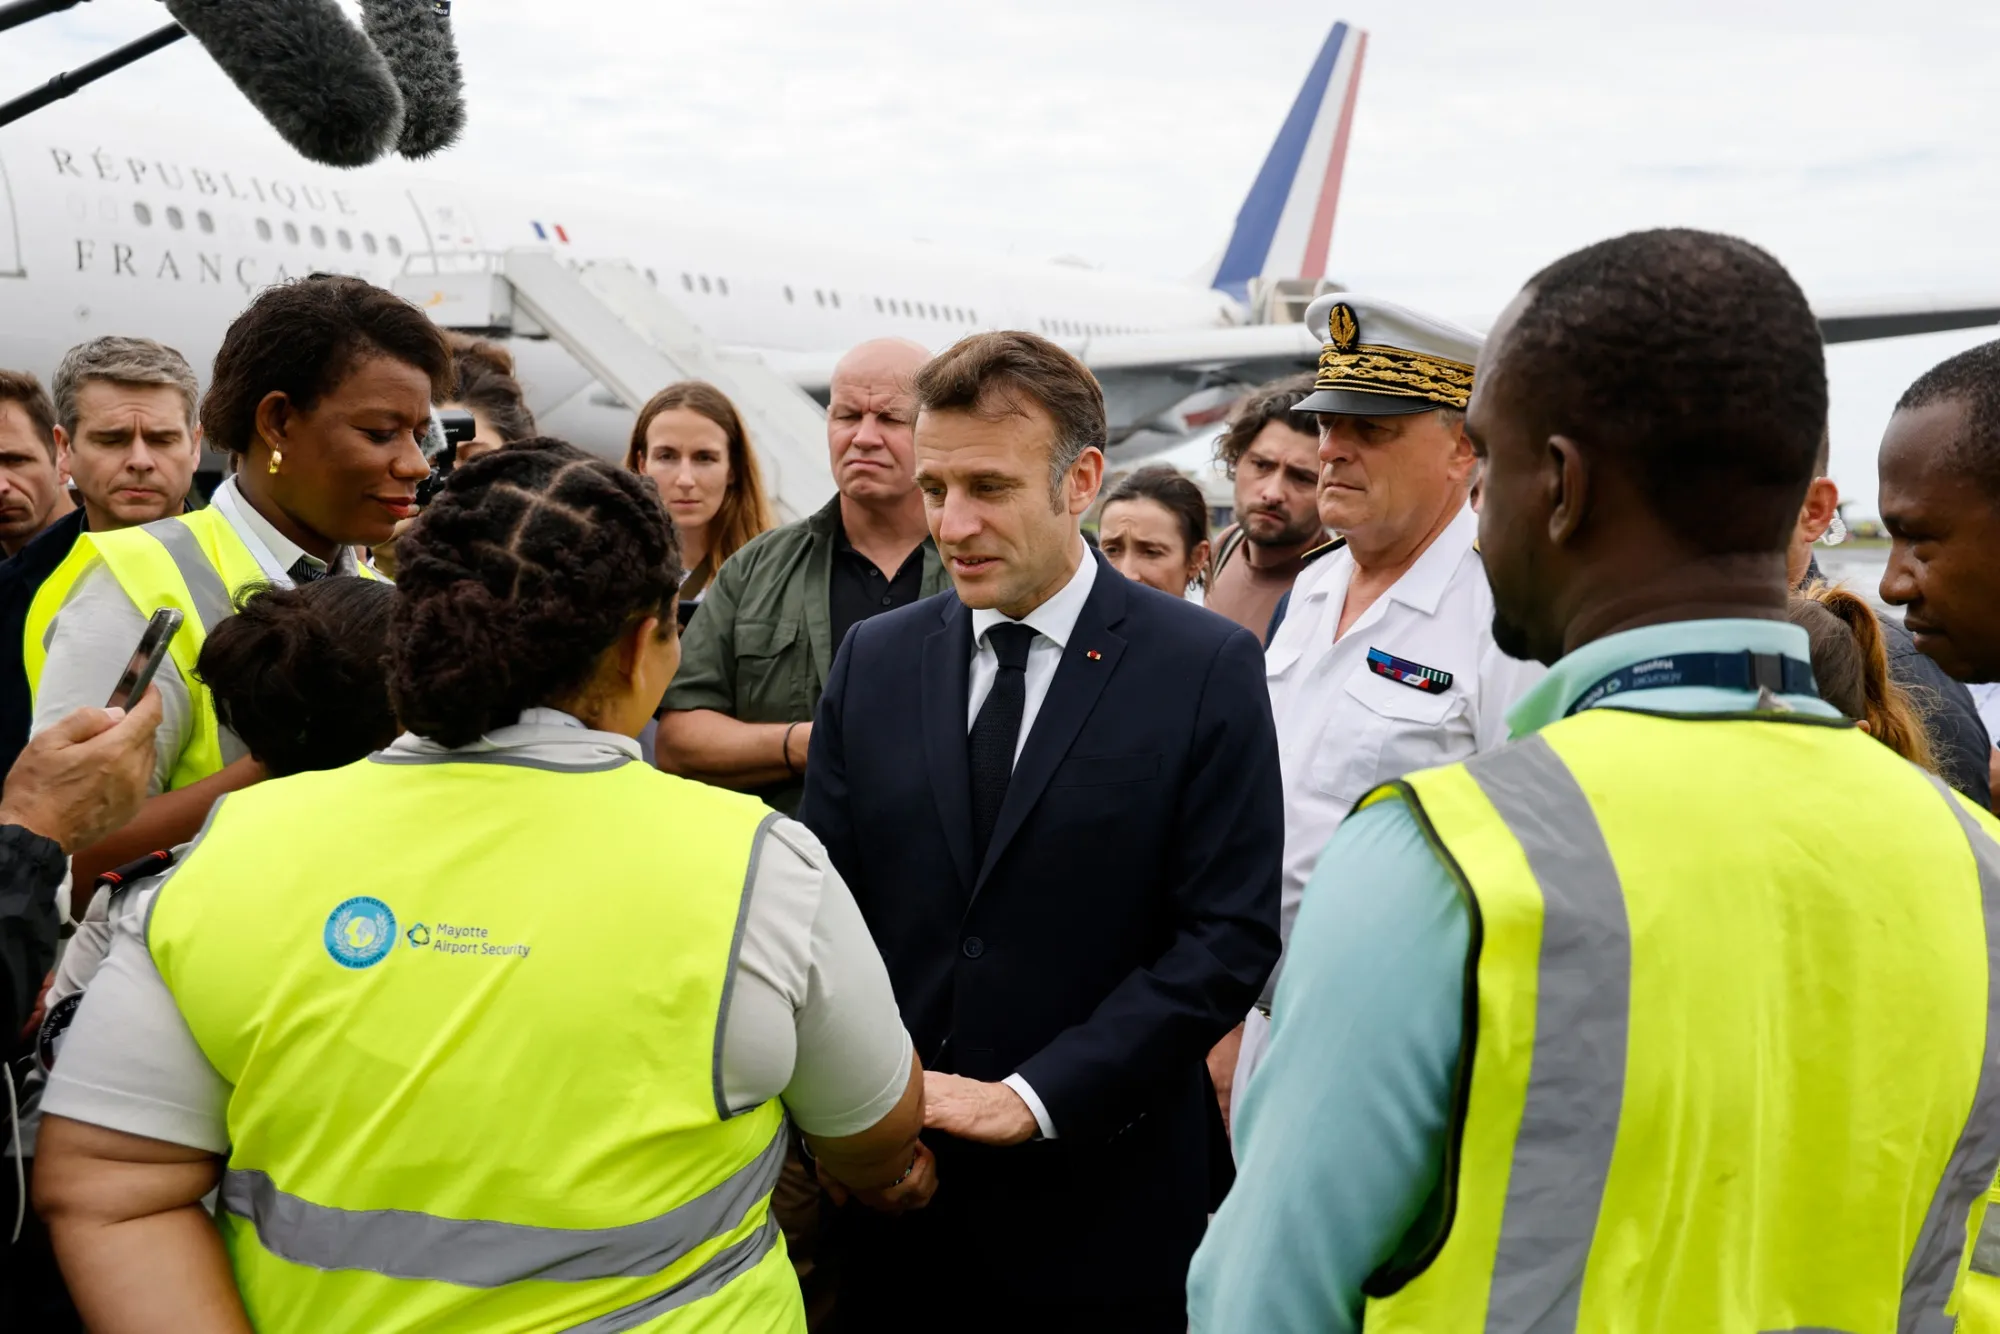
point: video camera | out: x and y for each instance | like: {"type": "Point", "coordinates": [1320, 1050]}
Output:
{"type": "Point", "coordinates": [450, 428]}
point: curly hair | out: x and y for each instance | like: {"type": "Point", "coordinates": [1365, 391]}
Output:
{"type": "Point", "coordinates": [530, 563]}
{"type": "Point", "coordinates": [1259, 408]}
{"type": "Point", "coordinates": [300, 674]}
{"type": "Point", "coordinates": [301, 339]}
{"type": "Point", "coordinates": [1692, 362]}
{"type": "Point", "coordinates": [1972, 378]}
{"type": "Point", "coordinates": [1850, 662]}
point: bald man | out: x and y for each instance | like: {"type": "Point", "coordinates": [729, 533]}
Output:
{"type": "Point", "coordinates": [756, 655]}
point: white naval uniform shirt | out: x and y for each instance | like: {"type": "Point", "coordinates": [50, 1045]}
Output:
{"type": "Point", "coordinates": [1343, 729]}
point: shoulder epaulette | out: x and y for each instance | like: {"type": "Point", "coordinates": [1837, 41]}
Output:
{"type": "Point", "coordinates": [1322, 549]}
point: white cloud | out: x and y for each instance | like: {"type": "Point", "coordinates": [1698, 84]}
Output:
{"type": "Point", "coordinates": [1854, 144]}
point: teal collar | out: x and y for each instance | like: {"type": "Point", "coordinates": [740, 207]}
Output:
{"type": "Point", "coordinates": [1576, 673]}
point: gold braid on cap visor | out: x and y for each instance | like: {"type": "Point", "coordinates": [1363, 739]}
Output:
{"type": "Point", "coordinates": [1374, 369]}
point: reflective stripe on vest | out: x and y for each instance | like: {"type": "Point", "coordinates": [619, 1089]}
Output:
{"type": "Point", "coordinates": [499, 1107]}
{"type": "Point", "coordinates": [193, 562]}
{"type": "Point", "coordinates": [1559, 1198]}
{"type": "Point", "coordinates": [474, 1253]}
{"type": "Point", "coordinates": [1569, 1125]}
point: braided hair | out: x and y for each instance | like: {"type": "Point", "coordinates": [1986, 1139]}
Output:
{"type": "Point", "coordinates": [530, 563]}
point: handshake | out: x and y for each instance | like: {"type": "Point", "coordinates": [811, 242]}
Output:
{"type": "Point", "coordinates": [966, 1108]}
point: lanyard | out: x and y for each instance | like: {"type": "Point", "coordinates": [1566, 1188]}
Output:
{"type": "Point", "coordinates": [1779, 673]}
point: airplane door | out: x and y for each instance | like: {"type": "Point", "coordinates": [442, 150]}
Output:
{"type": "Point", "coordinates": [450, 229]}
{"type": "Point", "coordinates": [10, 232]}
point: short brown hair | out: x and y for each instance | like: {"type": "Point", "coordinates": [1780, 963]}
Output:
{"type": "Point", "coordinates": [988, 374]}
{"type": "Point", "coordinates": [23, 388]}
{"type": "Point", "coordinates": [1263, 405]}
{"type": "Point", "coordinates": [126, 361]}
{"type": "Point", "coordinates": [302, 338]}
{"type": "Point", "coordinates": [745, 512]}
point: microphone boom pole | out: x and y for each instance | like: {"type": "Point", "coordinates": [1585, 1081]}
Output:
{"type": "Point", "coordinates": [83, 75]}
{"type": "Point", "coordinates": [27, 11]}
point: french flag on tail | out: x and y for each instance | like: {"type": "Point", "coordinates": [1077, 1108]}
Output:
{"type": "Point", "coordinates": [1285, 226]}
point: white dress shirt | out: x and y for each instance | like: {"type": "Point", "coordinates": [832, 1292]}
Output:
{"type": "Point", "coordinates": [1053, 622]}
{"type": "Point", "coordinates": [1343, 728]}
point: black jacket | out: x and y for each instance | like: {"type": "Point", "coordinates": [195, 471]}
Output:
{"type": "Point", "coordinates": [21, 577]}
{"type": "Point", "coordinates": [31, 870]}
{"type": "Point", "coordinates": [1123, 920]}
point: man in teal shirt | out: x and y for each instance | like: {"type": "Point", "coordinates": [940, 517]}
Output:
{"type": "Point", "coordinates": [1654, 583]}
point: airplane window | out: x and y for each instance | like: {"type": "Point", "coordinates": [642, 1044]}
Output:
{"type": "Point", "coordinates": [346, 241]}
{"type": "Point", "coordinates": [205, 221]}
{"type": "Point", "coordinates": [975, 316]}
{"type": "Point", "coordinates": [906, 307]}
{"type": "Point", "coordinates": [319, 237]}
{"type": "Point", "coordinates": [934, 313]}
{"type": "Point", "coordinates": [652, 278]}
{"type": "Point", "coordinates": [687, 281]}
{"type": "Point", "coordinates": [174, 219]}
{"type": "Point", "coordinates": [395, 246]}
{"type": "Point", "coordinates": [263, 230]}
{"type": "Point", "coordinates": [836, 300]}
{"type": "Point", "coordinates": [291, 233]}
{"type": "Point", "coordinates": [819, 296]}
{"type": "Point", "coordinates": [368, 242]}
{"type": "Point", "coordinates": [143, 214]}
{"type": "Point", "coordinates": [722, 285]}
{"type": "Point", "coordinates": [788, 292]}
{"type": "Point", "coordinates": [705, 285]}
{"type": "Point", "coordinates": [878, 305]}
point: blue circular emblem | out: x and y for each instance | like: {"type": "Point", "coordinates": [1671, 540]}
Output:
{"type": "Point", "coordinates": [360, 933]}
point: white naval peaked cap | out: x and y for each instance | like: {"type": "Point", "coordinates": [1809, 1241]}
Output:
{"type": "Point", "coordinates": [1379, 359]}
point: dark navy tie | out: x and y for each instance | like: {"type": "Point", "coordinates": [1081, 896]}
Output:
{"type": "Point", "coordinates": [997, 730]}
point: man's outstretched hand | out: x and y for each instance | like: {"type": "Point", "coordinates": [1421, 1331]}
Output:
{"type": "Point", "coordinates": [84, 777]}
{"type": "Point", "coordinates": [973, 1110]}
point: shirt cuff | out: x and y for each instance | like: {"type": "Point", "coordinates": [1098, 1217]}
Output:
{"type": "Point", "coordinates": [1027, 1092]}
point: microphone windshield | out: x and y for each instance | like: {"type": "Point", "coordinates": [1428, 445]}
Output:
{"type": "Point", "coordinates": [414, 36]}
{"type": "Point", "coordinates": [312, 73]}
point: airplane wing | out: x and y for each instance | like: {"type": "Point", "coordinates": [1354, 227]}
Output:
{"type": "Point", "coordinates": [1895, 317]}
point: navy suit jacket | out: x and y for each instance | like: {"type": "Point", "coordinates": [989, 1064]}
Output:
{"type": "Point", "coordinates": [1123, 919]}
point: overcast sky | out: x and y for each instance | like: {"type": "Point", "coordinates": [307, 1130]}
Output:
{"type": "Point", "coordinates": [1854, 140]}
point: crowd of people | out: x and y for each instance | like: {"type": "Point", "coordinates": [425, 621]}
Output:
{"type": "Point", "coordinates": [1496, 882]}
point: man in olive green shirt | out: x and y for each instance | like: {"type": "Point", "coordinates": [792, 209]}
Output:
{"type": "Point", "coordinates": [739, 713]}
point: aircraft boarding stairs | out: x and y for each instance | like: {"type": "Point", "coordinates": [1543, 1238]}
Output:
{"type": "Point", "coordinates": [635, 342]}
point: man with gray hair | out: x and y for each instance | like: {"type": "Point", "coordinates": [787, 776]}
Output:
{"type": "Point", "coordinates": [125, 433]}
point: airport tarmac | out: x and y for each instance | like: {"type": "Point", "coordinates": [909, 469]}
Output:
{"type": "Point", "coordinates": [1860, 568]}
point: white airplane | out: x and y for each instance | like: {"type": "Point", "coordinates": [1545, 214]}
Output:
{"type": "Point", "coordinates": [116, 224]}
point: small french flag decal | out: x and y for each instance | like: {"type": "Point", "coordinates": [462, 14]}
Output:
{"type": "Point", "coordinates": [540, 235]}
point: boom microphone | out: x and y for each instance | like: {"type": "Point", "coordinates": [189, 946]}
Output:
{"type": "Point", "coordinates": [414, 37]}
{"type": "Point", "coordinates": [318, 80]}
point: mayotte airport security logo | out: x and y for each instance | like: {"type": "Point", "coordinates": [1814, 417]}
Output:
{"type": "Point", "coordinates": [360, 933]}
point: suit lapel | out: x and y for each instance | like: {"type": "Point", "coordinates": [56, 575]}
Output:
{"type": "Point", "coordinates": [946, 672]}
{"type": "Point", "coordinates": [1079, 680]}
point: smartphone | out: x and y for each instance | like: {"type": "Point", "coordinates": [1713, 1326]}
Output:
{"type": "Point", "coordinates": [146, 659]}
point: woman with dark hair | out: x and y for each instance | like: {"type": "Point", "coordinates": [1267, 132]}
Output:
{"type": "Point", "coordinates": [690, 440]}
{"type": "Point", "coordinates": [321, 394]}
{"type": "Point", "coordinates": [459, 1051]}
{"type": "Point", "coordinates": [483, 384]}
{"type": "Point", "coordinates": [1154, 530]}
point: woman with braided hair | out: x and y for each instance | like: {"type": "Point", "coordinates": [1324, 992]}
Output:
{"type": "Point", "coordinates": [489, 1063]}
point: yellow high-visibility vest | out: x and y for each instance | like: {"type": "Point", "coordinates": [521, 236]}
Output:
{"type": "Point", "coordinates": [195, 563]}
{"type": "Point", "coordinates": [1734, 1065]}
{"type": "Point", "coordinates": [471, 1013]}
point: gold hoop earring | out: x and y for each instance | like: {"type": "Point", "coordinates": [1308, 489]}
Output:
{"type": "Point", "coordinates": [277, 461]}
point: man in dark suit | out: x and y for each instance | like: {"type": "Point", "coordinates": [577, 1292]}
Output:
{"type": "Point", "coordinates": [1055, 796]}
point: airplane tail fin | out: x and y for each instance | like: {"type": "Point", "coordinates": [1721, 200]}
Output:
{"type": "Point", "coordinates": [1285, 225]}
